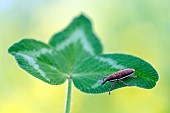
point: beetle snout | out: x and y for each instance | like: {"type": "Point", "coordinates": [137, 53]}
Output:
{"type": "Point", "coordinates": [103, 82]}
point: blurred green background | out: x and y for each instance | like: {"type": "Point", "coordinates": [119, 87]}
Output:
{"type": "Point", "coordinates": [138, 27]}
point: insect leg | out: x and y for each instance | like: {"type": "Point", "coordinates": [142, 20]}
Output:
{"type": "Point", "coordinates": [111, 87]}
{"type": "Point", "coordinates": [119, 80]}
{"type": "Point", "coordinates": [133, 76]}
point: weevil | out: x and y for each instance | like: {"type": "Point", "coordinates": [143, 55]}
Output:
{"type": "Point", "coordinates": [119, 76]}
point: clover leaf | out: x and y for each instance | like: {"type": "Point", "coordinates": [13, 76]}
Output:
{"type": "Point", "coordinates": [76, 54]}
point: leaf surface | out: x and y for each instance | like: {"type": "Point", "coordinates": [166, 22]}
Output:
{"type": "Point", "coordinates": [40, 60]}
{"type": "Point", "coordinates": [92, 71]}
{"type": "Point", "coordinates": [79, 32]}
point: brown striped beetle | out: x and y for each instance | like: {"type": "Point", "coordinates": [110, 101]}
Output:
{"type": "Point", "coordinates": [119, 76]}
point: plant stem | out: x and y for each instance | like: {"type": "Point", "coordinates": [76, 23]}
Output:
{"type": "Point", "coordinates": [68, 101]}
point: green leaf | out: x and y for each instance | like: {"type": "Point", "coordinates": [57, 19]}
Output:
{"type": "Point", "coordinates": [92, 71]}
{"type": "Point", "coordinates": [76, 53]}
{"type": "Point", "coordinates": [76, 42]}
{"type": "Point", "coordinates": [79, 32]}
{"type": "Point", "coordinates": [40, 60]}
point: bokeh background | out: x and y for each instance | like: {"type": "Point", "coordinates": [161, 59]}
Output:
{"type": "Point", "coordinates": [138, 27]}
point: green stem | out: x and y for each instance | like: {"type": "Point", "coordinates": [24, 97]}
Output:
{"type": "Point", "coordinates": [68, 101]}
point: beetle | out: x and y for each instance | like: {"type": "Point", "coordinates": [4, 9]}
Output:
{"type": "Point", "coordinates": [119, 76]}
